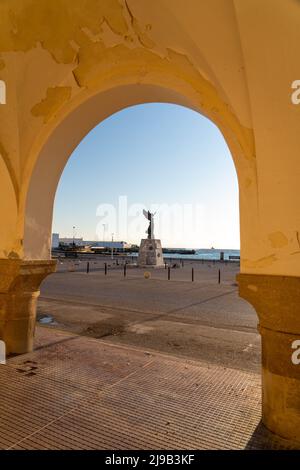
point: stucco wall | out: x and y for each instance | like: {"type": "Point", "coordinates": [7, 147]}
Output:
{"type": "Point", "coordinates": [68, 64]}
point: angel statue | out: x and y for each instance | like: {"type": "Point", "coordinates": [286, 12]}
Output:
{"type": "Point", "coordinates": [150, 230]}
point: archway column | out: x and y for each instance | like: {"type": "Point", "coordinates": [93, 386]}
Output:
{"type": "Point", "coordinates": [277, 303]}
{"type": "Point", "coordinates": [19, 289]}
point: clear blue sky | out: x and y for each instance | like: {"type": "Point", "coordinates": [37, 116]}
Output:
{"type": "Point", "coordinates": [163, 157]}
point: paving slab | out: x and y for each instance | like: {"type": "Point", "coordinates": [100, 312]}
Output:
{"type": "Point", "coordinates": [75, 392]}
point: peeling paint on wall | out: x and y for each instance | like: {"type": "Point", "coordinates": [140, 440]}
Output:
{"type": "Point", "coordinates": [92, 69]}
{"type": "Point", "coordinates": [142, 36]}
{"type": "Point", "coordinates": [55, 98]}
{"type": "Point", "coordinates": [42, 22]}
{"type": "Point", "coordinates": [105, 45]}
{"type": "Point", "coordinates": [72, 43]}
{"type": "Point", "coordinates": [278, 239]}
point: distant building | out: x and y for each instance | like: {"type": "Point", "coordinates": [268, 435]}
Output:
{"type": "Point", "coordinates": [96, 245]}
{"type": "Point", "coordinates": [55, 240]}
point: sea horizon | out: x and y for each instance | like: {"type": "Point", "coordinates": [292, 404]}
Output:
{"type": "Point", "coordinates": [202, 253]}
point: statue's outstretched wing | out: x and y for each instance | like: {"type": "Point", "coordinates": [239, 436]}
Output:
{"type": "Point", "coordinates": [145, 213]}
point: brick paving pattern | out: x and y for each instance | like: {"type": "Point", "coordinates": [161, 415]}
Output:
{"type": "Point", "coordinates": [75, 392]}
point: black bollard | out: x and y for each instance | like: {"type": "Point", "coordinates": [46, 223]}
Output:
{"type": "Point", "coordinates": [169, 273]}
{"type": "Point", "coordinates": [105, 269]}
{"type": "Point", "coordinates": [125, 269]}
{"type": "Point", "coordinates": [192, 274]}
{"type": "Point", "coordinates": [165, 265]}
{"type": "Point", "coordinates": [88, 267]}
{"type": "Point", "coordinates": [219, 277]}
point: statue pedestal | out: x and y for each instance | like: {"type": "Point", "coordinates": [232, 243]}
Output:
{"type": "Point", "coordinates": [150, 253]}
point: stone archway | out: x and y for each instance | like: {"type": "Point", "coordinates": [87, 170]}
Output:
{"type": "Point", "coordinates": [51, 159]}
{"type": "Point", "coordinates": [228, 66]}
{"type": "Point", "coordinates": [54, 154]}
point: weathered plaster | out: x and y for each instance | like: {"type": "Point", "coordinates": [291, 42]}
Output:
{"type": "Point", "coordinates": [260, 263]}
{"type": "Point", "coordinates": [68, 33]}
{"type": "Point", "coordinates": [99, 45]}
{"type": "Point", "coordinates": [276, 300]}
{"type": "Point", "coordinates": [278, 239]}
{"type": "Point", "coordinates": [141, 35]}
{"type": "Point", "coordinates": [92, 70]}
{"type": "Point", "coordinates": [55, 24]}
{"type": "Point", "coordinates": [55, 98]}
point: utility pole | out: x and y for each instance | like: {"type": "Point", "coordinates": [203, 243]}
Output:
{"type": "Point", "coordinates": [112, 248]}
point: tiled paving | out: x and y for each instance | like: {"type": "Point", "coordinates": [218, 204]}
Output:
{"type": "Point", "coordinates": [75, 392]}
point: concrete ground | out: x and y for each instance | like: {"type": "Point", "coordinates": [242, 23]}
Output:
{"type": "Point", "coordinates": [202, 320]}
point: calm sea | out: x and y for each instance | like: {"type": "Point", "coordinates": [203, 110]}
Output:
{"type": "Point", "coordinates": [205, 253]}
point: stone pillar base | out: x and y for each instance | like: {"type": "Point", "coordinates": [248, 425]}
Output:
{"type": "Point", "coordinates": [19, 290]}
{"type": "Point", "coordinates": [150, 253]}
{"type": "Point", "coordinates": [277, 302]}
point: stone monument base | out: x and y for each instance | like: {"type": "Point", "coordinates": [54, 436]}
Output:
{"type": "Point", "coordinates": [150, 253]}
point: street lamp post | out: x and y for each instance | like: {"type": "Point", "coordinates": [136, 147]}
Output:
{"type": "Point", "coordinates": [74, 235]}
{"type": "Point", "coordinates": [112, 248]}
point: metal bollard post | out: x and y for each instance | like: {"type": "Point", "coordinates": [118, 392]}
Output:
{"type": "Point", "coordinates": [125, 269]}
{"type": "Point", "coordinates": [169, 273]}
{"type": "Point", "coordinates": [105, 269]}
{"type": "Point", "coordinates": [192, 274]}
{"type": "Point", "coordinates": [88, 267]}
{"type": "Point", "coordinates": [219, 277]}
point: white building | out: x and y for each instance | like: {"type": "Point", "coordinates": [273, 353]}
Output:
{"type": "Point", "coordinates": [112, 244]}
{"type": "Point", "coordinates": [70, 241]}
{"type": "Point", "coordinates": [55, 240]}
